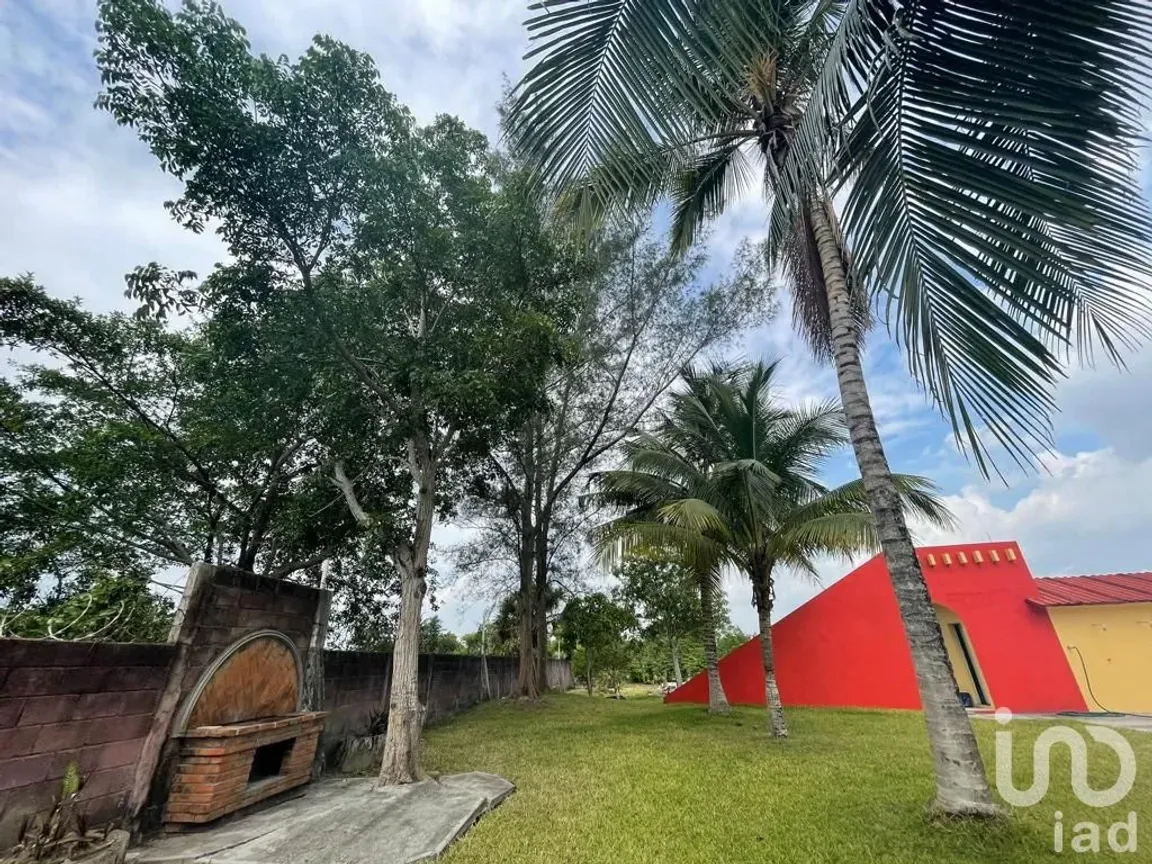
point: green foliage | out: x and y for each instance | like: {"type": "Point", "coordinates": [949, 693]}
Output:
{"type": "Point", "coordinates": [133, 448]}
{"type": "Point", "coordinates": [730, 477]}
{"type": "Point", "coordinates": [999, 232]}
{"type": "Point", "coordinates": [595, 631]}
{"type": "Point", "coordinates": [729, 638]}
{"type": "Point", "coordinates": [112, 607]}
{"type": "Point", "coordinates": [662, 590]}
{"type": "Point", "coordinates": [279, 155]}
{"type": "Point", "coordinates": [434, 639]}
{"type": "Point", "coordinates": [487, 640]}
{"type": "Point", "coordinates": [62, 832]}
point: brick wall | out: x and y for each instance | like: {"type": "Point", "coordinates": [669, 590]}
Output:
{"type": "Point", "coordinates": [85, 702]}
{"type": "Point", "coordinates": [237, 603]}
{"type": "Point", "coordinates": [95, 703]}
{"type": "Point", "coordinates": [356, 682]}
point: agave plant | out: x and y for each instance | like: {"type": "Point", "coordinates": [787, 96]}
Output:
{"type": "Point", "coordinates": [983, 153]}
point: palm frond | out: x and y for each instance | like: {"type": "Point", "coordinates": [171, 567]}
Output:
{"type": "Point", "coordinates": [837, 534]}
{"type": "Point", "coordinates": [730, 477]}
{"type": "Point", "coordinates": [693, 514]}
{"type": "Point", "coordinates": [986, 152]}
{"type": "Point", "coordinates": [618, 538]}
{"type": "Point", "coordinates": [631, 489]}
{"type": "Point", "coordinates": [627, 88]}
{"type": "Point", "coordinates": [702, 189]}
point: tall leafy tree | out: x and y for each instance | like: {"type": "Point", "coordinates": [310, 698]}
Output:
{"type": "Point", "coordinates": [447, 341]}
{"type": "Point", "coordinates": [599, 628]}
{"type": "Point", "coordinates": [132, 447]}
{"type": "Point", "coordinates": [984, 154]}
{"type": "Point", "coordinates": [662, 590]}
{"type": "Point", "coordinates": [637, 317]}
{"type": "Point", "coordinates": [312, 170]}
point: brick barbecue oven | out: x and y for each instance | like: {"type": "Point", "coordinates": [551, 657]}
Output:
{"type": "Point", "coordinates": [242, 736]}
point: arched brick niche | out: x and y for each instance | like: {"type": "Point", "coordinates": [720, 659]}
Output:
{"type": "Point", "coordinates": [242, 734]}
{"type": "Point", "coordinates": [257, 677]}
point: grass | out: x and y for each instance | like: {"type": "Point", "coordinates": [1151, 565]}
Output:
{"type": "Point", "coordinates": [601, 780]}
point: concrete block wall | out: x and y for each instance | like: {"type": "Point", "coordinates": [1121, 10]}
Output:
{"type": "Point", "coordinates": [61, 702]}
{"type": "Point", "coordinates": [96, 703]}
{"type": "Point", "coordinates": [356, 684]}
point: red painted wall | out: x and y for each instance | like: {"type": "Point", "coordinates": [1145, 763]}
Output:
{"type": "Point", "coordinates": [846, 646]}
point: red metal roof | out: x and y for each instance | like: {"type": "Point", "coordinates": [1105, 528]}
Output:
{"type": "Point", "coordinates": [1085, 590]}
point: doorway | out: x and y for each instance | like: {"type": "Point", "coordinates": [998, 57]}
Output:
{"type": "Point", "coordinates": [965, 666]}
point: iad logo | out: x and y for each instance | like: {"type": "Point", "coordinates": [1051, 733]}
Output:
{"type": "Point", "coordinates": [1086, 835]}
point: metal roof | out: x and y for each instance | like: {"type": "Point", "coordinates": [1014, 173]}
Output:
{"type": "Point", "coordinates": [1085, 590]}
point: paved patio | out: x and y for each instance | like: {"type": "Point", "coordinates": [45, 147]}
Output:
{"type": "Point", "coordinates": [341, 822]}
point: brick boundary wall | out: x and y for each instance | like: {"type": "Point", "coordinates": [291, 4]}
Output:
{"type": "Point", "coordinates": [90, 703]}
{"type": "Point", "coordinates": [356, 684]}
{"type": "Point", "coordinates": [109, 707]}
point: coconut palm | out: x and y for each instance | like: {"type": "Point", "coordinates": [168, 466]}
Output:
{"type": "Point", "coordinates": [665, 493]}
{"type": "Point", "coordinates": [983, 153]}
{"type": "Point", "coordinates": [801, 518]}
{"type": "Point", "coordinates": [730, 459]}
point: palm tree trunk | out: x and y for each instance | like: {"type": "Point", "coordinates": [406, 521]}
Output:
{"type": "Point", "coordinates": [717, 701]}
{"type": "Point", "coordinates": [961, 783]}
{"type": "Point", "coordinates": [762, 593]}
{"type": "Point", "coordinates": [677, 675]}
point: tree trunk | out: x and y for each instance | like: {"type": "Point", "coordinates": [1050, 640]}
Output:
{"type": "Point", "coordinates": [540, 603]}
{"type": "Point", "coordinates": [717, 701]}
{"type": "Point", "coordinates": [676, 673]}
{"type": "Point", "coordinates": [588, 670]}
{"type": "Point", "coordinates": [526, 674]}
{"type": "Point", "coordinates": [961, 783]}
{"type": "Point", "coordinates": [762, 593]}
{"type": "Point", "coordinates": [401, 762]}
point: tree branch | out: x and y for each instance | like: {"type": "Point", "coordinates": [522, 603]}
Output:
{"type": "Point", "coordinates": [340, 479]}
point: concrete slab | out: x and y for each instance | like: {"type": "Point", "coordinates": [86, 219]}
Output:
{"type": "Point", "coordinates": [1135, 722]}
{"type": "Point", "coordinates": [341, 822]}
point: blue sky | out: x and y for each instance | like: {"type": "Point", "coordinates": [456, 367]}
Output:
{"type": "Point", "coordinates": [80, 205]}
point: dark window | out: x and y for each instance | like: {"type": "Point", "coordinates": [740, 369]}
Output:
{"type": "Point", "coordinates": [268, 761]}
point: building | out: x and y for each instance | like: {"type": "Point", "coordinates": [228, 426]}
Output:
{"type": "Point", "coordinates": [1055, 644]}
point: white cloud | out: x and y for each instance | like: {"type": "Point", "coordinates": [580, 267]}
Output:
{"type": "Point", "coordinates": [1088, 514]}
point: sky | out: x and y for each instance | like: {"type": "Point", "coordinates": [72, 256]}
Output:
{"type": "Point", "coordinates": [81, 205]}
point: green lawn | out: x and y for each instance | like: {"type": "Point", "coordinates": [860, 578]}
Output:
{"type": "Point", "coordinates": [638, 781]}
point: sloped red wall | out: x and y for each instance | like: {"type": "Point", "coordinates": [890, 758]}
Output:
{"type": "Point", "coordinates": [846, 646]}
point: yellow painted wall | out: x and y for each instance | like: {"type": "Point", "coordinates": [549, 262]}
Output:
{"type": "Point", "coordinates": [956, 656]}
{"type": "Point", "coordinates": [1116, 643]}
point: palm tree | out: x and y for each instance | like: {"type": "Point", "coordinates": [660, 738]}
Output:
{"type": "Point", "coordinates": [666, 494]}
{"type": "Point", "coordinates": [762, 463]}
{"type": "Point", "coordinates": [983, 154]}
{"type": "Point", "coordinates": [664, 512]}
